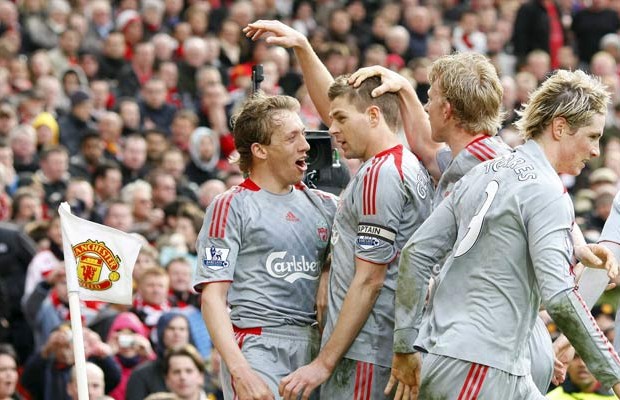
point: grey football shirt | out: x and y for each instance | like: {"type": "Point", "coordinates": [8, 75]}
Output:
{"type": "Point", "coordinates": [389, 197]}
{"type": "Point", "coordinates": [509, 220]}
{"type": "Point", "coordinates": [271, 247]}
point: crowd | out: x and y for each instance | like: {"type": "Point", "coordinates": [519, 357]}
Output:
{"type": "Point", "coordinates": [123, 109]}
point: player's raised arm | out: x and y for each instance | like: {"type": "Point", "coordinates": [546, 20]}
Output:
{"type": "Point", "coordinates": [316, 76]}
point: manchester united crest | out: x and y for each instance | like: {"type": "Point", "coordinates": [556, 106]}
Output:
{"type": "Point", "coordinates": [91, 258]}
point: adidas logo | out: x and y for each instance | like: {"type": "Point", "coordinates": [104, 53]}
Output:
{"type": "Point", "coordinates": [291, 217]}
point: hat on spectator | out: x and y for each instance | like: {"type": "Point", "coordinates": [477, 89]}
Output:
{"type": "Point", "coordinates": [238, 71]}
{"type": "Point", "coordinates": [125, 18]}
{"type": "Point", "coordinates": [395, 60]}
{"type": "Point", "coordinates": [46, 119]}
{"type": "Point", "coordinates": [78, 97]}
{"type": "Point", "coordinates": [603, 175]}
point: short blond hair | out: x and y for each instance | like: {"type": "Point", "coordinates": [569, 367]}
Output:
{"type": "Point", "coordinates": [575, 96]}
{"type": "Point", "coordinates": [469, 82]}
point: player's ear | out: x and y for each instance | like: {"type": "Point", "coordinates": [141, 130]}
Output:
{"type": "Point", "coordinates": [374, 115]}
{"type": "Point", "coordinates": [559, 127]}
{"type": "Point", "coordinates": [259, 151]}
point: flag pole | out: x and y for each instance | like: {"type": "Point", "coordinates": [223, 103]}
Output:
{"type": "Point", "coordinates": [78, 345]}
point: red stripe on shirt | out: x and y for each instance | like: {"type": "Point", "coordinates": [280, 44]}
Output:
{"type": "Point", "coordinates": [217, 229]}
{"type": "Point", "coordinates": [370, 187]}
{"type": "Point", "coordinates": [484, 149]}
{"type": "Point", "coordinates": [610, 348]}
{"type": "Point", "coordinates": [476, 153]}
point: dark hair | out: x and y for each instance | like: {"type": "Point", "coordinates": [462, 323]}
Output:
{"type": "Point", "coordinates": [187, 350]}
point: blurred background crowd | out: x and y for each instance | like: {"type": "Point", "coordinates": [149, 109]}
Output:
{"type": "Point", "coordinates": [122, 109]}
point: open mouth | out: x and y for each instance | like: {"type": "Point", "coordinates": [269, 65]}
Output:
{"type": "Point", "coordinates": [301, 164]}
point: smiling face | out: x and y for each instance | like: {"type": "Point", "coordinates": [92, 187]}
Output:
{"type": "Point", "coordinates": [286, 154]}
{"type": "Point", "coordinates": [348, 128]}
{"type": "Point", "coordinates": [580, 147]}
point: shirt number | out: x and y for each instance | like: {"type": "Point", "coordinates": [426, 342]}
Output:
{"type": "Point", "coordinates": [475, 225]}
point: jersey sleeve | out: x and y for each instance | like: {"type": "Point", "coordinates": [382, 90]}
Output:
{"type": "Point", "coordinates": [219, 241]}
{"type": "Point", "coordinates": [551, 250]}
{"type": "Point", "coordinates": [383, 199]}
{"type": "Point", "coordinates": [428, 245]}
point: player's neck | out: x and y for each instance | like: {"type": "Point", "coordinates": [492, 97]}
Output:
{"type": "Point", "coordinates": [458, 141]}
{"type": "Point", "coordinates": [383, 143]}
{"type": "Point", "coordinates": [267, 181]}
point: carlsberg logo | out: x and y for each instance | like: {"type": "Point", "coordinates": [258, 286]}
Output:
{"type": "Point", "coordinates": [292, 268]}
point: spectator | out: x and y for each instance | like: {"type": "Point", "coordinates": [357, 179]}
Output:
{"type": "Point", "coordinates": [204, 163]}
{"type": "Point", "coordinates": [185, 373]}
{"type": "Point", "coordinates": [129, 111]}
{"type": "Point", "coordinates": [538, 26]}
{"type": "Point", "coordinates": [73, 127]}
{"type": "Point", "coordinates": [47, 130]}
{"type": "Point", "coordinates": [580, 384]}
{"type": "Point", "coordinates": [53, 174]}
{"type": "Point", "coordinates": [90, 157]}
{"type": "Point", "coordinates": [155, 111]}
{"type": "Point", "coordinates": [107, 181]}
{"type": "Point", "coordinates": [26, 207]}
{"type": "Point", "coordinates": [99, 14]}
{"type": "Point", "coordinates": [118, 216]}
{"type": "Point", "coordinates": [181, 294]}
{"type": "Point", "coordinates": [209, 190]}
{"type": "Point", "coordinates": [164, 188]}
{"type": "Point", "coordinates": [47, 372]}
{"type": "Point", "coordinates": [133, 161]}
{"type": "Point", "coordinates": [140, 71]}
{"type": "Point", "coordinates": [23, 140]}
{"type": "Point", "coordinates": [66, 53]}
{"type": "Point", "coordinates": [112, 60]}
{"type": "Point", "coordinates": [95, 379]}
{"type": "Point", "coordinates": [8, 373]}
{"type": "Point", "coordinates": [590, 25]}
{"type": "Point", "coordinates": [19, 251]}
{"type": "Point", "coordinates": [129, 342]}
{"type": "Point", "coordinates": [172, 332]}
{"type": "Point", "coordinates": [151, 298]}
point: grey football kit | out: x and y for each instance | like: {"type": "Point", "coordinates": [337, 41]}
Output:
{"type": "Point", "coordinates": [385, 202]}
{"type": "Point", "coordinates": [510, 221]}
{"type": "Point", "coordinates": [272, 249]}
{"type": "Point", "coordinates": [482, 149]}
{"type": "Point", "coordinates": [611, 233]}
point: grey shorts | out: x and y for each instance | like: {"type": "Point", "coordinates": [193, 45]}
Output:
{"type": "Point", "coordinates": [356, 380]}
{"type": "Point", "coordinates": [446, 378]}
{"type": "Point", "coordinates": [273, 353]}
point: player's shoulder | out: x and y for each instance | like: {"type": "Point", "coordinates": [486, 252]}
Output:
{"type": "Point", "coordinates": [318, 195]}
{"type": "Point", "coordinates": [235, 194]}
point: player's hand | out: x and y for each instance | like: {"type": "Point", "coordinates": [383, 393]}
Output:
{"type": "Point", "coordinates": [406, 375]}
{"type": "Point", "coordinates": [390, 81]}
{"type": "Point", "coordinates": [250, 386]}
{"type": "Point", "coordinates": [303, 381]}
{"type": "Point", "coordinates": [563, 353]}
{"type": "Point", "coordinates": [275, 33]}
{"type": "Point", "coordinates": [598, 256]}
